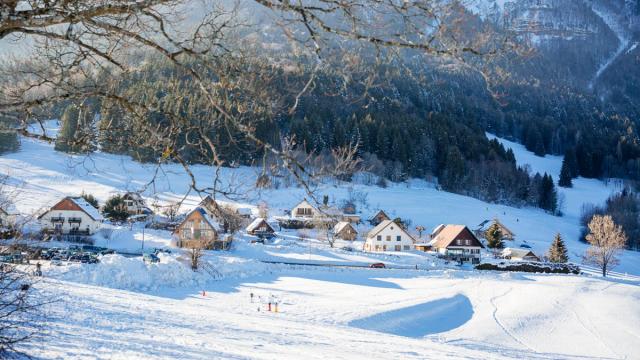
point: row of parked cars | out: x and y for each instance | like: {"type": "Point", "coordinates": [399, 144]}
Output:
{"type": "Point", "coordinates": [86, 254]}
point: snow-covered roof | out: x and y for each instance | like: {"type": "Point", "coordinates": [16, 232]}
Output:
{"type": "Point", "coordinates": [87, 208]}
{"type": "Point", "coordinates": [340, 226]}
{"type": "Point", "coordinates": [450, 233]}
{"type": "Point", "coordinates": [519, 253]}
{"type": "Point", "coordinates": [212, 222]}
{"type": "Point", "coordinates": [243, 211]}
{"type": "Point", "coordinates": [383, 225]}
{"type": "Point", "coordinates": [255, 223]}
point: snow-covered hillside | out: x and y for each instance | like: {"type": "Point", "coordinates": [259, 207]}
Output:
{"type": "Point", "coordinates": [123, 308]}
{"type": "Point", "coordinates": [44, 176]}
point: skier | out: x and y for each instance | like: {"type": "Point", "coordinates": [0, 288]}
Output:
{"type": "Point", "coordinates": [251, 297]}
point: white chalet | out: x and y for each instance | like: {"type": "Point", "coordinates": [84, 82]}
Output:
{"type": "Point", "coordinates": [71, 216]}
{"type": "Point", "coordinates": [304, 210]}
{"type": "Point", "coordinates": [388, 236]}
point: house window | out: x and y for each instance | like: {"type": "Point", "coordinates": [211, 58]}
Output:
{"type": "Point", "coordinates": [407, 247]}
{"type": "Point", "coordinates": [384, 247]}
{"type": "Point", "coordinates": [398, 248]}
{"type": "Point", "coordinates": [459, 242]}
{"type": "Point", "coordinates": [467, 242]}
{"type": "Point", "coordinates": [388, 237]}
{"type": "Point", "coordinates": [379, 237]}
{"type": "Point", "coordinates": [398, 238]}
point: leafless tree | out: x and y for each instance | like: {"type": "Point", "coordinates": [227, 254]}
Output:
{"type": "Point", "coordinates": [196, 251]}
{"type": "Point", "coordinates": [21, 310]}
{"type": "Point", "coordinates": [86, 49]}
{"type": "Point", "coordinates": [607, 240]}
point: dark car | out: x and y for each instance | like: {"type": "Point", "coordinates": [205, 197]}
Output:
{"type": "Point", "coordinates": [377, 266]}
{"type": "Point", "coordinates": [525, 246]}
{"type": "Point", "coordinates": [150, 258]}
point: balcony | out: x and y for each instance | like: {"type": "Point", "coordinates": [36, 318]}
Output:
{"type": "Point", "coordinates": [79, 232]}
{"type": "Point", "coordinates": [75, 220]}
{"type": "Point", "coordinates": [57, 219]}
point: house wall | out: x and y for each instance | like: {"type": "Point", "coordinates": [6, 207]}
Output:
{"type": "Point", "coordinates": [194, 230]}
{"type": "Point", "coordinates": [348, 234]}
{"type": "Point", "coordinates": [468, 254]}
{"type": "Point", "coordinates": [392, 231]}
{"type": "Point", "coordinates": [86, 222]}
{"type": "Point", "coordinates": [294, 211]}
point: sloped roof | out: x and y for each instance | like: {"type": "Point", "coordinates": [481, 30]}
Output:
{"type": "Point", "coordinates": [437, 230]}
{"type": "Point", "coordinates": [377, 213]}
{"type": "Point", "coordinates": [484, 226]}
{"type": "Point", "coordinates": [256, 222]}
{"type": "Point", "coordinates": [82, 205]}
{"type": "Point", "coordinates": [341, 225]}
{"type": "Point", "coordinates": [449, 233]}
{"type": "Point", "coordinates": [211, 221]}
{"type": "Point", "coordinates": [376, 230]}
{"type": "Point", "coordinates": [515, 252]}
{"type": "Point", "coordinates": [87, 208]}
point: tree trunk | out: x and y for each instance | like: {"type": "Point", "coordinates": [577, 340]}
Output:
{"type": "Point", "coordinates": [604, 270]}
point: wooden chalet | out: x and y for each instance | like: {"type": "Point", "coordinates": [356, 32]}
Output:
{"type": "Point", "coordinates": [457, 243]}
{"type": "Point", "coordinates": [345, 231]}
{"type": "Point", "coordinates": [200, 230]}
{"type": "Point", "coordinates": [261, 228]}
{"type": "Point", "coordinates": [378, 217]}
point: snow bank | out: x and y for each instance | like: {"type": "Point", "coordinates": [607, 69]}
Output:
{"type": "Point", "coordinates": [173, 271]}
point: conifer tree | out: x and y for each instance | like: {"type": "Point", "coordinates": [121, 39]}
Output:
{"type": "Point", "coordinates": [558, 250]}
{"type": "Point", "coordinates": [565, 175]}
{"type": "Point", "coordinates": [114, 208]}
{"type": "Point", "coordinates": [494, 237]}
{"type": "Point", "coordinates": [548, 198]}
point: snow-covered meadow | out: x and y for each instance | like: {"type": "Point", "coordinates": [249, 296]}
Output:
{"type": "Point", "coordinates": [123, 308]}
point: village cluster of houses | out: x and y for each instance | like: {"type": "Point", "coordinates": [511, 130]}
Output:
{"type": "Point", "coordinates": [211, 226]}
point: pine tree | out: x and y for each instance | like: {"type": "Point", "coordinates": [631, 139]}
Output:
{"type": "Point", "coordinates": [114, 208]}
{"type": "Point", "coordinates": [565, 175]}
{"type": "Point", "coordinates": [558, 250]}
{"type": "Point", "coordinates": [547, 196]}
{"type": "Point", "coordinates": [572, 162]}
{"type": "Point", "coordinates": [90, 199]}
{"type": "Point", "coordinates": [494, 237]}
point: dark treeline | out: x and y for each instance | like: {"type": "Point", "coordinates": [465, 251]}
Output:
{"type": "Point", "coordinates": [403, 129]}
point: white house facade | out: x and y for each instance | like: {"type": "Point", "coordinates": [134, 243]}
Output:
{"type": "Point", "coordinates": [71, 216]}
{"type": "Point", "coordinates": [388, 236]}
{"type": "Point", "coordinates": [304, 210]}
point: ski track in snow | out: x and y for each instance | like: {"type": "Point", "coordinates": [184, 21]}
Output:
{"type": "Point", "coordinates": [503, 326]}
{"type": "Point", "coordinates": [623, 37]}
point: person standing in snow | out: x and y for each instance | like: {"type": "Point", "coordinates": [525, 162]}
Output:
{"type": "Point", "coordinates": [38, 269]}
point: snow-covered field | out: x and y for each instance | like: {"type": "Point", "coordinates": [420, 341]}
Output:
{"type": "Point", "coordinates": [349, 314]}
{"type": "Point", "coordinates": [123, 308]}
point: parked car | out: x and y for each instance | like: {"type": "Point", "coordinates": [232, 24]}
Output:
{"type": "Point", "coordinates": [525, 246]}
{"type": "Point", "coordinates": [347, 248]}
{"type": "Point", "coordinates": [159, 250]}
{"type": "Point", "coordinates": [57, 261]}
{"type": "Point", "coordinates": [377, 266]}
{"type": "Point", "coordinates": [150, 258]}
{"type": "Point", "coordinates": [19, 258]}
{"type": "Point", "coordinates": [6, 258]}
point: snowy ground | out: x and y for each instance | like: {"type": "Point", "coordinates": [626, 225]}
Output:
{"type": "Point", "coordinates": [122, 308]}
{"type": "Point", "coordinates": [347, 314]}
